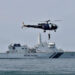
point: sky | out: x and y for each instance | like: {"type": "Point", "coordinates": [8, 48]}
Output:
{"type": "Point", "coordinates": [14, 12]}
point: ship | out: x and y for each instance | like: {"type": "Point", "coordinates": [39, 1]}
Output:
{"type": "Point", "coordinates": [41, 50]}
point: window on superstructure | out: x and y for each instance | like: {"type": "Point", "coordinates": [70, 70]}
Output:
{"type": "Point", "coordinates": [22, 48]}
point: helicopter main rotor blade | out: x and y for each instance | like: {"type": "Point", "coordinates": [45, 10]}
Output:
{"type": "Point", "coordinates": [58, 20]}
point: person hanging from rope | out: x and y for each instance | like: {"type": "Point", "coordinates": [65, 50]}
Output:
{"type": "Point", "coordinates": [49, 36]}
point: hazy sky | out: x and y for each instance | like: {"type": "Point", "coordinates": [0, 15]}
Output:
{"type": "Point", "coordinates": [14, 12]}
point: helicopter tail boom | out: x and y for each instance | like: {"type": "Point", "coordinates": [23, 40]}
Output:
{"type": "Point", "coordinates": [32, 26]}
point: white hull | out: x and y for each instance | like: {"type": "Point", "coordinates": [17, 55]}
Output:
{"type": "Point", "coordinates": [37, 55]}
{"type": "Point", "coordinates": [22, 56]}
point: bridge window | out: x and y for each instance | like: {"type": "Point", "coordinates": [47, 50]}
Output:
{"type": "Point", "coordinates": [17, 45]}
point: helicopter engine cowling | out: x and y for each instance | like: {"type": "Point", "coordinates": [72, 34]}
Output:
{"type": "Point", "coordinates": [45, 26]}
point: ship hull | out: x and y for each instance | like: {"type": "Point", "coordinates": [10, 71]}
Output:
{"type": "Point", "coordinates": [37, 55]}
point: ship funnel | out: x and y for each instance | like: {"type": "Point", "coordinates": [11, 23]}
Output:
{"type": "Point", "coordinates": [39, 39]}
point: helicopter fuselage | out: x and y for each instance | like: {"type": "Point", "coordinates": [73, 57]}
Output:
{"type": "Point", "coordinates": [44, 26]}
{"type": "Point", "coordinates": [47, 26]}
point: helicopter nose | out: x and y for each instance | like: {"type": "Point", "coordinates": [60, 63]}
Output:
{"type": "Point", "coordinates": [56, 26]}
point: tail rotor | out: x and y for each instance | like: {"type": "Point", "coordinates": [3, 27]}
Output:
{"type": "Point", "coordinates": [22, 25]}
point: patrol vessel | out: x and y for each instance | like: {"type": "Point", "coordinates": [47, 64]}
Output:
{"type": "Point", "coordinates": [41, 50]}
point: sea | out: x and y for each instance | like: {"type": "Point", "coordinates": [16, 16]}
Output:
{"type": "Point", "coordinates": [59, 66]}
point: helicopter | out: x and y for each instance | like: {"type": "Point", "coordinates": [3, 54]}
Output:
{"type": "Point", "coordinates": [46, 25]}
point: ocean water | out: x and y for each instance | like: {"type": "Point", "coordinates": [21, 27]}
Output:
{"type": "Point", "coordinates": [37, 66]}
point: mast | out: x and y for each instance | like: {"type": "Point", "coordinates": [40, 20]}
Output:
{"type": "Point", "coordinates": [39, 39]}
